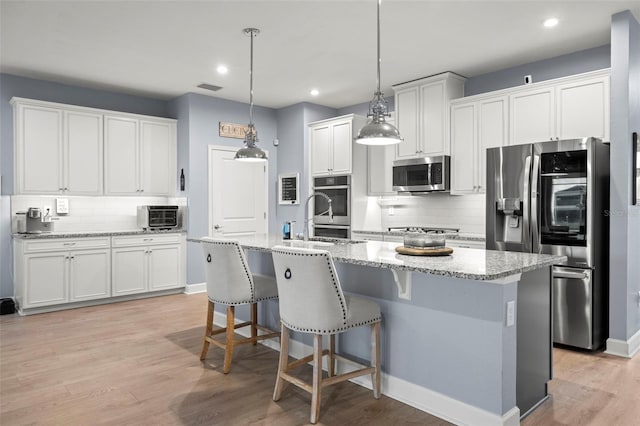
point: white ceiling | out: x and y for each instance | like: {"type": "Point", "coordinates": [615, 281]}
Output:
{"type": "Point", "coordinates": [163, 49]}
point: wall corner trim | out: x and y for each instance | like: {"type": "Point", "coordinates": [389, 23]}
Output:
{"type": "Point", "coordinates": [624, 348]}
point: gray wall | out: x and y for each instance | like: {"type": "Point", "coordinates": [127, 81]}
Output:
{"type": "Point", "coordinates": [10, 86]}
{"type": "Point", "coordinates": [560, 66]}
{"type": "Point", "coordinates": [625, 218]}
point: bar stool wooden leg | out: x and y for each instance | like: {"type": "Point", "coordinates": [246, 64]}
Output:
{"type": "Point", "coordinates": [283, 363]}
{"type": "Point", "coordinates": [228, 350]}
{"type": "Point", "coordinates": [332, 355]}
{"type": "Point", "coordinates": [208, 331]}
{"type": "Point", "coordinates": [254, 322]}
{"type": "Point", "coordinates": [375, 359]}
{"type": "Point", "coordinates": [317, 378]}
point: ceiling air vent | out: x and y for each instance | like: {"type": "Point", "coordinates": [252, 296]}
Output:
{"type": "Point", "coordinates": [209, 87]}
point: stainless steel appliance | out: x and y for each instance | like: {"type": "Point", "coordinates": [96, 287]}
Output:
{"type": "Point", "coordinates": [33, 222]}
{"type": "Point", "coordinates": [338, 189]}
{"type": "Point", "coordinates": [159, 218]}
{"type": "Point", "coordinates": [551, 197]}
{"type": "Point", "coordinates": [420, 175]}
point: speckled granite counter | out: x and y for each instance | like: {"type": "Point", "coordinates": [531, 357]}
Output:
{"type": "Point", "coordinates": [473, 264]}
{"type": "Point", "coordinates": [92, 234]}
{"type": "Point", "coordinates": [448, 235]}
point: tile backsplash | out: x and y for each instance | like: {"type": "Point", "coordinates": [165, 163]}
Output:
{"type": "Point", "coordinates": [95, 214]}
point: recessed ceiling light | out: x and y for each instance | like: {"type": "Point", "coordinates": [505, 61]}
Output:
{"type": "Point", "coordinates": [222, 69]}
{"type": "Point", "coordinates": [550, 23]}
{"type": "Point", "coordinates": [314, 92]}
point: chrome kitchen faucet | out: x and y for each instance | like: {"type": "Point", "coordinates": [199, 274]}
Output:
{"type": "Point", "coordinates": [329, 211]}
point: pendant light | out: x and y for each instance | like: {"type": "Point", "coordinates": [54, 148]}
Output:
{"type": "Point", "coordinates": [378, 131]}
{"type": "Point", "coordinates": [250, 151]}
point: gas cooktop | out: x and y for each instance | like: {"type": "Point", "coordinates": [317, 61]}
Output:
{"type": "Point", "coordinates": [423, 229]}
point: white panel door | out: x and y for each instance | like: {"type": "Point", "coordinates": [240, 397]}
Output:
{"type": "Point", "coordinates": [89, 275]}
{"type": "Point", "coordinates": [238, 194]}
{"type": "Point", "coordinates": [128, 270]}
{"type": "Point", "coordinates": [83, 153]}
{"type": "Point", "coordinates": [583, 109]}
{"type": "Point", "coordinates": [164, 267]}
{"type": "Point", "coordinates": [121, 156]}
{"type": "Point", "coordinates": [158, 166]}
{"type": "Point", "coordinates": [407, 111]}
{"type": "Point", "coordinates": [320, 150]}
{"type": "Point", "coordinates": [342, 147]}
{"type": "Point", "coordinates": [432, 117]}
{"type": "Point", "coordinates": [492, 132]}
{"type": "Point", "coordinates": [532, 116]}
{"type": "Point", "coordinates": [39, 150]}
{"type": "Point", "coordinates": [463, 149]}
{"type": "Point", "coordinates": [46, 279]}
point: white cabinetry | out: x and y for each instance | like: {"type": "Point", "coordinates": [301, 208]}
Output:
{"type": "Point", "coordinates": [139, 156]}
{"type": "Point", "coordinates": [57, 271]}
{"type": "Point", "coordinates": [147, 263]}
{"type": "Point", "coordinates": [422, 114]}
{"type": "Point", "coordinates": [462, 243]}
{"type": "Point", "coordinates": [567, 108]}
{"type": "Point", "coordinates": [58, 150]}
{"type": "Point", "coordinates": [476, 125]}
{"type": "Point", "coordinates": [331, 144]}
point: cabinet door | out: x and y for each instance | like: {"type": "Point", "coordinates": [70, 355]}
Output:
{"type": "Point", "coordinates": [164, 267]}
{"type": "Point", "coordinates": [46, 279]}
{"type": "Point", "coordinates": [158, 168]}
{"type": "Point", "coordinates": [583, 109]}
{"type": "Point", "coordinates": [407, 112]}
{"type": "Point", "coordinates": [463, 149]}
{"type": "Point", "coordinates": [532, 116]}
{"type": "Point", "coordinates": [39, 150]}
{"type": "Point", "coordinates": [90, 274]}
{"type": "Point", "coordinates": [128, 270]}
{"type": "Point", "coordinates": [320, 150]}
{"type": "Point", "coordinates": [342, 138]}
{"type": "Point", "coordinates": [492, 132]}
{"type": "Point", "coordinates": [83, 153]}
{"type": "Point", "coordinates": [121, 155]}
{"type": "Point", "coordinates": [432, 117]}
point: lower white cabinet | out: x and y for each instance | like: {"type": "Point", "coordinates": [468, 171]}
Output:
{"type": "Point", "coordinates": [147, 263]}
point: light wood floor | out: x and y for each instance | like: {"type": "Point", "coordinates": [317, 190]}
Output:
{"type": "Point", "coordinates": [137, 363]}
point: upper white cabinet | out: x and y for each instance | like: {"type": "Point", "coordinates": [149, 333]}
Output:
{"type": "Point", "coordinates": [331, 144]}
{"type": "Point", "coordinates": [476, 125]}
{"type": "Point", "coordinates": [568, 108]}
{"type": "Point", "coordinates": [422, 114]}
{"type": "Point", "coordinates": [65, 149]}
{"type": "Point", "coordinates": [58, 150]}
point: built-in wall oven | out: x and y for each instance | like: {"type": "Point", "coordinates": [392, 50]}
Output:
{"type": "Point", "coordinates": [338, 189]}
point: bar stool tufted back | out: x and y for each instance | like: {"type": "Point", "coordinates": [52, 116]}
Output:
{"type": "Point", "coordinates": [312, 301]}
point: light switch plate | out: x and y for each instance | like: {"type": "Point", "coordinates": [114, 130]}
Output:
{"type": "Point", "coordinates": [511, 313]}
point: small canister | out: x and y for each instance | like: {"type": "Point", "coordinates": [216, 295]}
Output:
{"type": "Point", "coordinates": [286, 230]}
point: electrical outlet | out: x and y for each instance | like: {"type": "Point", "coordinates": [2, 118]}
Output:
{"type": "Point", "coordinates": [391, 211]}
{"type": "Point", "coordinates": [511, 313]}
{"type": "Point", "coordinates": [47, 212]}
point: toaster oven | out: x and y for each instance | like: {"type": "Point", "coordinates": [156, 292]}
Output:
{"type": "Point", "coordinates": [159, 218]}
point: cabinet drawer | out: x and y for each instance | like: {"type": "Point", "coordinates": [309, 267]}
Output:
{"type": "Point", "coordinates": [145, 240]}
{"type": "Point", "coordinates": [55, 244]}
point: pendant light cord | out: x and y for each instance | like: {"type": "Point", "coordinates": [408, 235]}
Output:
{"type": "Point", "coordinates": [252, 33]}
{"type": "Point", "coordinates": [379, 59]}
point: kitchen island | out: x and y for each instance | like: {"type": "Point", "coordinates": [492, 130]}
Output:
{"type": "Point", "coordinates": [466, 337]}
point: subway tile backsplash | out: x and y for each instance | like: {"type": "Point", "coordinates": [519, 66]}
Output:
{"type": "Point", "coordinates": [91, 214]}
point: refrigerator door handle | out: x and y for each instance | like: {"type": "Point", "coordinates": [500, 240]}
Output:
{"type": "Point", "coordinates": [526, 203]}
{"type": "Point", "coordinates": [535, 229]}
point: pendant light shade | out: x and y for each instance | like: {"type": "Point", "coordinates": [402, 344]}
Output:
{"type": "Point", "coordinates": [377, 131]}
{"type": "Point", "coordinates": [250, 151]}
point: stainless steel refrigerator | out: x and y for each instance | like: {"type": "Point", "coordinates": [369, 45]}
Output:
{"type": "Point", "coordinates": [552, 197]}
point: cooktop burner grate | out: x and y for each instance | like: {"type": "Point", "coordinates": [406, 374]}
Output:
{"type": "Point", "coordinates": [424, 229]}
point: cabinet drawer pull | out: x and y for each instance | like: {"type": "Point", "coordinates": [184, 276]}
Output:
{"type": "Point", "coordinates": [68, 244]}
{"type": "Point", "coordinates": [148, 239]}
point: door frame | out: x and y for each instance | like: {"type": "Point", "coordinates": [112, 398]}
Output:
{"type": "Point", "coordinates": [210, 150]}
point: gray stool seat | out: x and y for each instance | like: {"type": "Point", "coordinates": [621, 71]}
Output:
{"type": "Point", "coordinates": [312, 301]}
{"type": "Point", "coordinates": [231, 283]}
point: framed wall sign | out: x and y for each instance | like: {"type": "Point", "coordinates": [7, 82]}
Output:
{"type": "Point", "coordinates": [289, 188]}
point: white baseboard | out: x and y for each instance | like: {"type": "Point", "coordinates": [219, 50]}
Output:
{"type": "Point", "coordinates": [416, 396]}
{"type": "Point", "coordinates": [624, 348]}
{"type": "Point", "coordinates": [195, 288]}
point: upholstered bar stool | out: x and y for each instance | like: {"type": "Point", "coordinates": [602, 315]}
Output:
{"type": "Point", "coordinates": [311, 301]}
{"type": "Point", "coordinates": [230, 283]}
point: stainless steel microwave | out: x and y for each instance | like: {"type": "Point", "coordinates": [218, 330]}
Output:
{"type": "Point", "coordinates": [159, 218]}
{"type": "Point", "coordinates": [419, 175]}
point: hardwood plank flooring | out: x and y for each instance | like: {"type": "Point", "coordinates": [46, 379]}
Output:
{"type": "Point", "coordinates": [137, 363]}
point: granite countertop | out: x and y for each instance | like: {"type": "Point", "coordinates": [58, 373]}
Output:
{"type": "Point", "coordinates": [448, 235]}
{"type": "Point", "coordinates": [473, 264]}
{"type": "Point", "coordinates": [93, 234]}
